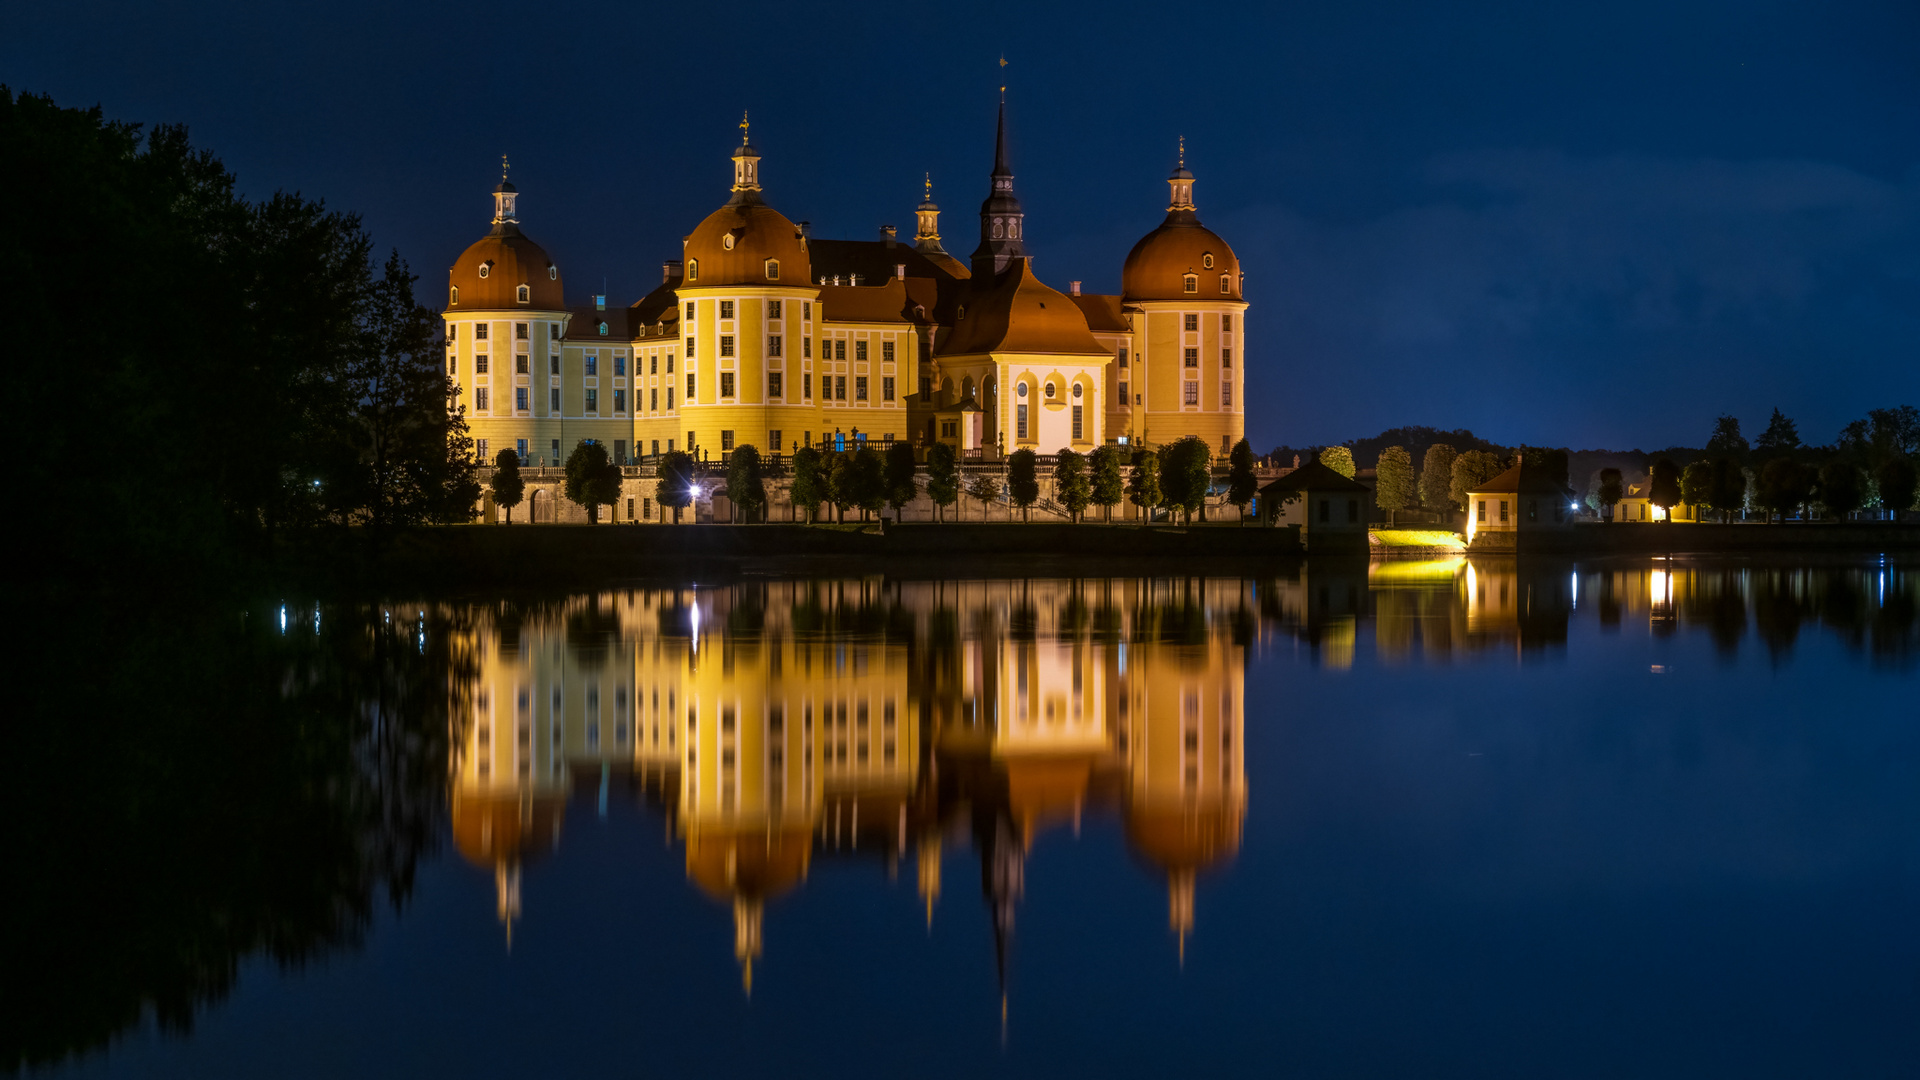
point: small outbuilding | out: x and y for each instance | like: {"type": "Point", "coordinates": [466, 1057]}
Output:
{"type": "Point", "coordinates": [1329, 509]}
{"type": "Point", "coordinates": [1523, 499]}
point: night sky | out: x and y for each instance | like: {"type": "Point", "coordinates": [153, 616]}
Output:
{"type": "Point", "coordinates": [1595, 228]}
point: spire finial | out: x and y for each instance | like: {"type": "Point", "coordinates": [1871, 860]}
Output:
{"type": "Point", "coordinates": [929, 187]}
{"type": "Point", "coordinates": [743, 127]}
{"type": "Point", "coordinates": [503, 168]}
{"type": "Point", "coordinates": [1183, 151]}
{"type": "Point", "coordinates": [1003, 73]}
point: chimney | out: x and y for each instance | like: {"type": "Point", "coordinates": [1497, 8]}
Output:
{"type": "Point", "coordinates": [1075, 286]}
{"type": "Point", "coordinates": [886, 235]}
{"type": "Point", "coordinates": [900, 271]}
{"type": "Point", "coordinates": [669, 270]}
{"type": "Point", "coordinates": [806, 229]}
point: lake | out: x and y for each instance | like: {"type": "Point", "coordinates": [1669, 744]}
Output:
{"type": "Point", "coordinates": [1640, 817]}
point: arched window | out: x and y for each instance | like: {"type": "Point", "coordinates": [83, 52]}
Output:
{"type": "Point", "coordinates": [553, 272]}
{"type": "Point", "coordinates": [453, 296]}
{"type": "Point", "coordinates": [1193, 283]}
{"type": "Point", "coordinates": [1226, 284]}
{"type": "Point", "coordinates": [523, 294]}
{"type": "Point", "coordinates": [773, 269]}
{"type": "Point", "coordinates": [693, 269]}
{"type": "Point", "coordinates": [1020, 390]}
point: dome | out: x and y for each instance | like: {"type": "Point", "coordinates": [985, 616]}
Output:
{"type": "Point", "coordinates": [510, 261]}
{"type": "Point", "coordinates": [494, 827]}
{"type": "Point", "coordinates": [1178, 837]}
{"type": "Point", "coordinates": [734, 244]}
{"type": "Point", "coordinates": [1020, 313]}
{"type": "Point", "coordinates": [1157, 267]}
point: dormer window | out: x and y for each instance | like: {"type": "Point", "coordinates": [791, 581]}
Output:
{"type": "Point", "coordinates": [523, 294]}
{"type": "Point", "coordinates": [486, 268]}
{"type": "Point", "coordinates": [453, 296]}
{"type": "Point", "coordinates": [1226, 284]}
{"type": "Point", "coordinates": [603, 329]}
{"type": "Point", "coordinates": [773, 269]}
{"type": "Point", "coordinates": [1049, 391]}
{"type": "Point", "coordinates": [693, 269]}
{"type": "Point", "coordinates": [553, 272]}
{"type": "Point", "coordinates": [726, 241]}
{"type": "Point", "coordinates": [1193, 283]}
{"type": "Point", "coordinates": [1206, 260]}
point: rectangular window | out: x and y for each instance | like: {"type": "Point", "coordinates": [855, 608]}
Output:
{"type": "Point", "coordinates": [726, 309]}
{"type": "Point", "coordinates": [1483, 511]}
{"type": "Point", "coordinates": [520, 450]}
{"type": "Point", "coordinates": [806, 385]}
{"type": "Point", "coordinates": [886, 352]}
{"type": "Point", "coordinates": [619, 402]}
{"type": "Point", "coordinates": [453, 365]}
{"type": "Point", "coordinates": [840, 349]}
{"type": "Point", "coordinates": [1226, 395]}
{"type": "Point", "coordinates": [726, 344]}
{"type": "Point", "coordinates": [480, 449]}
{"type": "Point", "coordinates": [1192, 393]}
{"type": "Point", "coordinates": [1503, 511]}
{"type": "Point", "coordinates": [620, 364]}
{"type": "Point", "coordinates": [520, 364]}
{"type": "Point", "coordinates": [690, 353]}
{"type": "Point", "coordinates": [886, 388]}
{"type": "Point", "coordinates": [691, 396]}
{"type": "Point", "coordinates": [773, 309]}
{"type": "Point", "coordinates": [669, 363]}
{"type": "Point", "coordinates": [480, 400]}
{"type": "Point", "coordinates": [453, 331]}
{"type": "Point", "coordinates": [1192, 357]}
{"type": "Point", "coordinates": [620, 458]}
{"type": "Point", "coordinates": [840, 387]}
{"type": "Point", "coordinates": [773, 344]}
{"type": "Point", "coordinates": [480, 331]}
{"type": "Point", "coordinates": [656, 448]}
{"type": "Point", "coordinates": [1078, 429]}
{"type": "Point", "coordinates": [593, 364]}
{"type": "Point", "coordinates": [689, 311]}
{"type": "Point", "coordinates": [1533, 509]}
{"type": "Point", "coordinates": [1226, 357]}
{"type": "Point", "coordinates": [630, 518]}
{"type": "Point", "coordinates": [859, 388]}
{"type": "Point", "coordinates": [859, 350]}
{"type": "Point", "coordinates": [556, 451]}
{"type": "Point", "coordinates": [593, 400]}
{"type": "Point", "coordinates": [480, 364]}
{"type": "Point", "coordinates": [520, 398]}
{"type": "Point", "coordinates": [553, 331]}
{"type": "Point", "coordinates": [1121, 360]}
{"type": "Point", "coordinates": [646, 513]}
{"type": "Point", "coordinates": [653, 400]}
{"type": "Point", "coordinates": [653, 364]}
{"type": "Point", "coordinates": [689, 442]}
{"type": "Point", "coordinates": [553, 404]}
{"type": "Point", "coordinates": [726, 441]}
{"type": "Point", "coordinates": [1226, 323]}
{"type": "Point", "coordinates": [1192, 322]}
{"type": "Point", "coordinates": [773, 440]}
{"type": "Point", "coordinates": [726, 384]}
{"type": "Point", "coordinates": [1019, 421]}
{"type": "Point", "coordinates": [553, 365]}
{"type": "Point", "coordinates": [1123, 394]}
{"type": "Point", "coordinates": [806, 311]}
{"type": "Point", "coordinates": [806, 347]}
{"type": "Point", "coordinates": [773, 384]}
{"type": "Point", "coordinates": [520, 331]}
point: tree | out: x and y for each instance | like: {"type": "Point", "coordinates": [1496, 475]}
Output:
{"type": "Point", "coordinates": [593, 480]}
{"type": "Point", "coordinates": [900, 467]}
{"type": "Point", "coordinates": [1609, 491]}
{"type": "Point", "coordinates": [1143, 486]}
{"type": "Point", "coordinates": [1896, 431]}
{"type": "Point", "coordinates": [1897, 480]}
{"type": "Point", "coordinates": [1242, 484]}
{"type": "Point", "coordinates": [984, 488]}
{"type": "Point", "coordinates": [506, 485]}
{"type": "Point", "coordinates": [869, 480]}
{"type": "Point", "coordinates": [746, 490]}
{"type": "Point", "coordinates": [1023, 481]}
{"type": "Point", "coordinates": [1726, 437]}
{"type": "Point", "coordinates": [1727, 492]}
{"type": "Point", "coordinates": [842, 485]}
{"type": "Point", "coordinates": [1070, 483]}
{"type": "Point", "coordinates": [1782, 486]}
{"type": "Point", "coordinates": [1186, 474]}
{"type": "Point", "coordinates": [1340, 460]}
{"type": "Point", "coordinates": [1395, 483]}
{"type": "Point", "coordinates": [1436, 478]}
{"type": "Point", "coordinates": [809, 487]}
{"type": "Point", "coordinates": [943, 477]}
{"type": "Point", "coordinates": [674, 486]}
{"type": "Point", "coordinates": [1104, 466]}
{"type": "Point", "coordinates": [1840, 487]}
{"type": "Point", "coordinates": [1696, 484]}
{"type": "Point", "coordinates": [1470, 470]}
{"type": "Point", "coordinates": [1781, 435]}
{"type": "Point", "coordinates": [1663, 486]}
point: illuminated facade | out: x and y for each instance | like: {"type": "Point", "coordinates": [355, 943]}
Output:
{"type": "Point", "coordinates": [760, 334]}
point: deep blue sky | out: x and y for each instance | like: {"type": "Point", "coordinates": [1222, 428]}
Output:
{"type": "Point", "coordinates": [1593, 225]}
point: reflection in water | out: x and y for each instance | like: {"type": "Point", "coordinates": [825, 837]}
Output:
{"type": "Point", "coordinates": [776, 721]}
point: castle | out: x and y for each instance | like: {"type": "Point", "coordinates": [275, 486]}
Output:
{"type": "Point", "coordinates": [762, 334]}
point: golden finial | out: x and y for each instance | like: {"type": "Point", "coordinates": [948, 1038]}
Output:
{"type": "Point", "coordinates": [503, 168]}
{"type": "Point", "coordinates": [1183, 151]}
{"type": "Point", "coordinates": [929, 187]}
{"type": "Point", "coordinates": [743, 127]}
{"type": "Point", "coordinates": [1003, 70]}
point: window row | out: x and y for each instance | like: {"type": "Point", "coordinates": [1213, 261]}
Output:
{"type": "Point", "coordinates": [1192, 322]}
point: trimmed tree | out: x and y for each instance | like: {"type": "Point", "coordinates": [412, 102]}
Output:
{"type": "Point", "coordinates": [1023, 481]}
{"type": "Point", "coordinates": [841, 484]}
{"type": "Point", "coordinates": [1242, 484]}
{"type": "Point", "coordinates": [1395, 486]}
{"type": "Point", "coordinates": [1840, 488]}
{"type": "Point", "coordinates": [1109, 487]}
{"type": "Point", "coordinates": [1186, 472]}
{"type": "Point", "coordinates": [746, 490]}
{"type": "Point", "coordinates": [1436, 478]}
{"type": "Point", "coordinates": [1470, 470]}
{"type": "Point", "coordinates": [869, 481]}
{"type": "Point", "coordinates": [1070, 483]}
{"type": "Point", "coordinates": [1663, 486]}
{"type": "Point", "coordinates": [900, 468]}
{"type": "Point", "coordinates": [809, 487]}
{"type": "Point", "coordinates": [943, 477]}
{"type": "Point", "coordinates": [984, 488]}
{"type": "Point", "coordinates": [507, 486]}
{"type": "Point", "coordinates": [674, 486]}
{"type": "Point", "coordinates": [593, 480]}
{"type": "Point", "coordinates": [1143, 486]}
{"type": "Point", "coordinates": [1340, 460]}
{"type": "Point", "coordinates": [1897, 479]}
{"type": "Point", "coordinates": [1608, 490]}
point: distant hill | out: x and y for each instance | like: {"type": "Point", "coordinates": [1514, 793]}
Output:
{"type": "Point", "coordinates": [1366, 452]}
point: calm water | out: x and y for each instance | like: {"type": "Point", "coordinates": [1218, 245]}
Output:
{"type": "Point", "coordinates": [1631, 818]}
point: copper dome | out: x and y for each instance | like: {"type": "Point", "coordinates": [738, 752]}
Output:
{"type": "Point", "coordinates": [510, 261]}
{"type": "Point", "coordinates": [1157, 267]}
{"type": "Point", "coordinates": [734, 244]}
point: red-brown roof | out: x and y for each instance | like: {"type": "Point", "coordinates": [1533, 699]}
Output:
{"type": "Point", "coordinates": [1020, 313]}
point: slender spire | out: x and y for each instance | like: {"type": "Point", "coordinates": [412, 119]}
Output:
{"type": "Point", "coordinates": [1002, 221]}
{"type": "Point", "coordinates": [1000, 168]}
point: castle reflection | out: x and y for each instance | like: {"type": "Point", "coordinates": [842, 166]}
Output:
{"type": "Point", "coordinates": [772, 722]}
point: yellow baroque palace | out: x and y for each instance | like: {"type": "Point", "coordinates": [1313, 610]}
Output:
{"type": "Point", "coordinates": [761, 334]}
